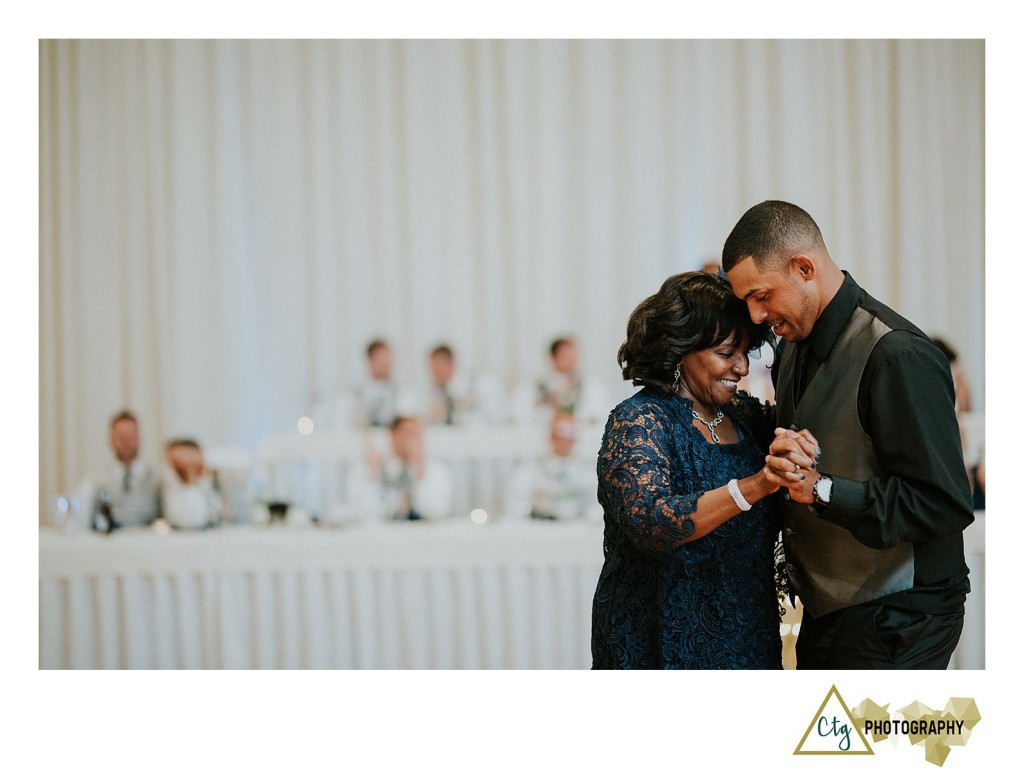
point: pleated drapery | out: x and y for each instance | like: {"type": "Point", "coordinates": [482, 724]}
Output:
{"type": "Point", "coordinates": [225, 224]}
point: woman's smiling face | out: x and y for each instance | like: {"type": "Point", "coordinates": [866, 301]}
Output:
{"type": "Point", "coordinates": [710, 377]}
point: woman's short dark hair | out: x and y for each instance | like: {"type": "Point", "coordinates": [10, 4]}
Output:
{"type": "Point", "coordinates": [691, 311]}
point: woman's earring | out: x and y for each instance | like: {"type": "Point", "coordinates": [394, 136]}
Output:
{"type": "Point", "coordinates": [675, 384]}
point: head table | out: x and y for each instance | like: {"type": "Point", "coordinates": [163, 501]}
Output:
{"type": "Point", "coordinates": [418, 595]}
{"type": "Point", "coordinates": [397, 595]}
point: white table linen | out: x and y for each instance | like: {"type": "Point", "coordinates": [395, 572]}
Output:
{"type": "Point", "coordinates": [408, 595]}
{"type": "Point", "coordinates": [450, 595]}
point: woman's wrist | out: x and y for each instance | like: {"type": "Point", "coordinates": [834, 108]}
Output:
{"type": "Point", "coordinates": [760, 485]}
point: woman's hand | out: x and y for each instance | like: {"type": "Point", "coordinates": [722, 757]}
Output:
{"type": "Point", "coordinates": [791, 459]}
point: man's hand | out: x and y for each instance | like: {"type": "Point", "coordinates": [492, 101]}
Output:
{"type": "Point", "coordinates": [792, 460]}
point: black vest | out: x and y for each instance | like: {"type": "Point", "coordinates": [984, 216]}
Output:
{"type": "Point", "coordinates": [828, 568]}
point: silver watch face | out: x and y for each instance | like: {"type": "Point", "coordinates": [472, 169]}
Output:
{"type": "Point", "coordinates": [823, 489]}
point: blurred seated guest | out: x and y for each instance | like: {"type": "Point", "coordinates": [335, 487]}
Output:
{"type": "Point", "coordinates": [564, 390]}
{"type": "Point", "coordinates": [455, 399]}
{"type": "Point", "coordinates": [129, 493]}
{"type": "Point", "coordinates": [449, 398]}
{"type": "Point", "coordinates": [712, 267]}
{"type": "Point", "coordinates": [557, 487]}
{"type": "Point", "coordinates": [376, 398]}
{"type": "Point", "coordinates": [404, 486]}
{"type": "Point", "coordinates": [190, 499]}
{"type": "Point", "coordinates": [372, 401]}
{"type": "Point", "coordinates": [961, 389]}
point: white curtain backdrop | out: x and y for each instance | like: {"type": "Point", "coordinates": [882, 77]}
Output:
{"type": "Point", "coordinates": [225, 224]}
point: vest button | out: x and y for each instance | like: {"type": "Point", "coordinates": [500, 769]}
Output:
{"type": "Point", "coordinates": [787, 532]}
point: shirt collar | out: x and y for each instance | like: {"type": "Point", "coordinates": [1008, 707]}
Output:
{"type": "Point", "coordinates": [834, 318]}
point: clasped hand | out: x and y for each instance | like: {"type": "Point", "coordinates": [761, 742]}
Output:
{"type": "Point", "coordinates": [792, 461]}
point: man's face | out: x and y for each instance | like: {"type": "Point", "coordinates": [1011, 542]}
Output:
{"type": "Point", "coordinates": [565, 358]}
{"type": "Point", "coordinates": [187, 462]}
{"type": "Point", "coordinates": [380, 363]}
{"type": "Point", "coordinates": [442, 368]}
{"type": "Point", "coordinates": [407, 440]}
{"type": "Point", "coordinates": [124, 440]}
{"type": "Point", "coordinates": [781, 297]}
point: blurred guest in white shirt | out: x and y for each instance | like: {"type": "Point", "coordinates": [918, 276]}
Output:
{"type": "Point", "coordinates": [560, 486]}
{"type": "Point", "coordinates": [404, 485]}
{"type": "Point", "coordinates": [376, 398]}
{"type": "Point", "coordinates": [129, 492]}
{"type": "Point", "coordinates": [564, 389]}
{"type": "Point", "coordinates": [452, 398]}
{"type": "Point", "coordinates": [190, 499]}
{"type": "Point", "coordinates": [448, 397]}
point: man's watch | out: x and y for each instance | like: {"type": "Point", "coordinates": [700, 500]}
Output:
{"type": "Point", "coordinates": [823, 491]}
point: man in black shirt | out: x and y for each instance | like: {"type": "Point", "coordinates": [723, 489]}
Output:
{"type": "Point", "coordinates": [873, 525]}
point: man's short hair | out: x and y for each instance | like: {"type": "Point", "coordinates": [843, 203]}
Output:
{"type": "Point", "coordinates": [124, 415]}
{"type": "Point", "coordinates": [399, 420]}
{"type": "Point", "coordinates": [182, 441]}
{"type": "Point", "coordinates": [770, 232]}
{"type": "Point", "coordinates": [444, 350]}
{"type": "Point", "coordinates": [558, 343]}
{"type": "Point", "coordinates": [374, 345]}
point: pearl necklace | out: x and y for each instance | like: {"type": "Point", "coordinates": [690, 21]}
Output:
{"type": "Point", "coordinates": [710, 424]}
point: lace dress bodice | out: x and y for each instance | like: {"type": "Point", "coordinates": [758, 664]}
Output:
{"type": "Point", "coordinates": [662, 602]}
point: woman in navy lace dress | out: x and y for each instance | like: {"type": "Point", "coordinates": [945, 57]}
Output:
{"type": "Point", "coordinates": [689, 578]}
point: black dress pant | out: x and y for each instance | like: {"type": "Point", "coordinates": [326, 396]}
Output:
{"type": "Point", "coordinates": [876, 635]}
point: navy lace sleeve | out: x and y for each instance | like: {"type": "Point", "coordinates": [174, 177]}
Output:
{"type": "Point", "coordinates": [634, 470]}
